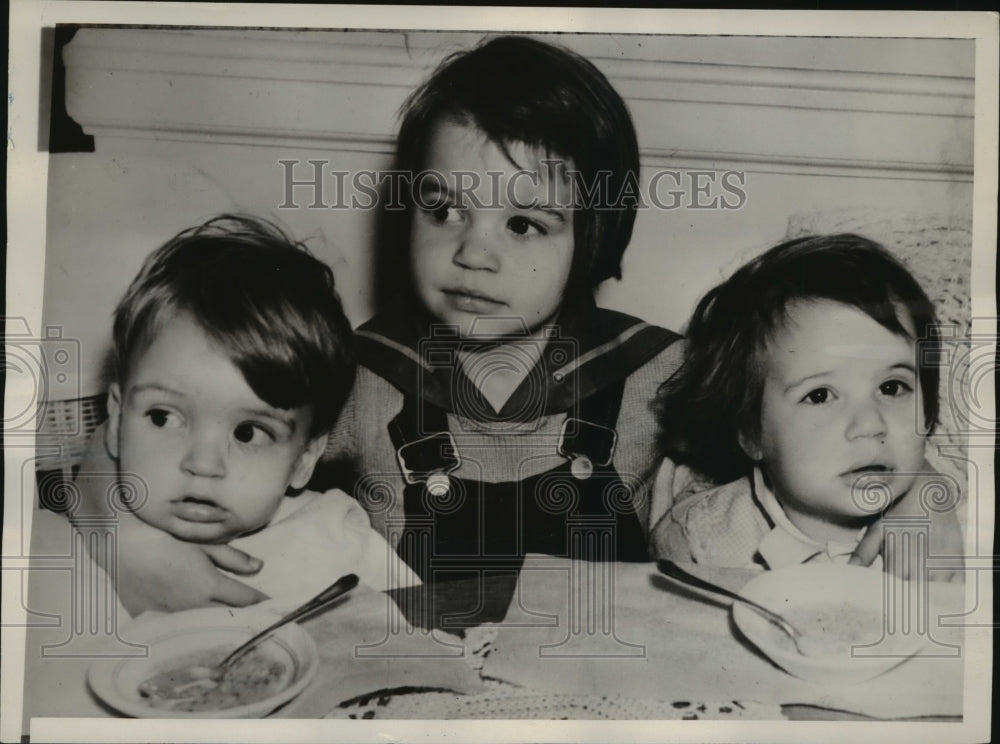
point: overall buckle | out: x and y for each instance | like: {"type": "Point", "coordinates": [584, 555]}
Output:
{"type": "Point", "coordinates": [586, 446]}
{"type": "Point", "coordinates": [429, 460]}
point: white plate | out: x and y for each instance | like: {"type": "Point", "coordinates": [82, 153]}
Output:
{"type": "Point", "coordinates": [176, 636]}
{"type": "Point", "coordinates": [853, 643]}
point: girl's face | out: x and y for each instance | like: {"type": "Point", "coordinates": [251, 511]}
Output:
{"type": "Point", "coordinates": [839, 412]}
{"type": "Point", "coordinates": [491, 244]}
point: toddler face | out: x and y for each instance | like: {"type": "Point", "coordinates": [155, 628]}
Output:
{"type": "Point", "coordinates": [839, 410]}
{"type": "Point", "coordinates": [216, 459]}
{"type": "Point", "coordinates": [499, 246]}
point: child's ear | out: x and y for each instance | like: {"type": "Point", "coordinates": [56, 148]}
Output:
{"type": "Point", "coordinates": [307, 462]}
{"type": "Point", "coordinates": [114, 420]}
{"type": "Point", "coordinates": [749, 445]}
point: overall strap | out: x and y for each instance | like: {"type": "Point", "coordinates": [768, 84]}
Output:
{"type": "Point", "coordinates": [588, 439]}
{"type": "Point", "coordinates": [425, 448]}
{"type": "Point", "coordinates": [602, 407]}
{"type": "Point", "coordinates": [416, 420]}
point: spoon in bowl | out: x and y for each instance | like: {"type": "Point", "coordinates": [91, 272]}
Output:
{"type": "Point", "coordinates": [671, 569]}
{"type": "Point", "coordinates": [196, 675]}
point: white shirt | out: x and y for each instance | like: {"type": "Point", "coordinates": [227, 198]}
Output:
{"type": "Point", "coordinates": [315, 538]}
{"type": "Point", "coordinates": [787, 545]}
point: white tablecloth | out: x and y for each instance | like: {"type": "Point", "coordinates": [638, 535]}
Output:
{"type": "Point", "coordinates": [662, 641]}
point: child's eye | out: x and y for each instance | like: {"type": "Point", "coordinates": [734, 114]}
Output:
{"type": "Point", "coordinates": [522, 226]}
{"type": "Point", "coordinates": [895, 388]}
{"type": "Point", "coordinates": [444, 214]}
{"type": "Point", "coordinates": [817, 396]}
{"type": "Point", "coordinates": [248, 433]}
{"type": "Point", "coordinates": [163, 419]}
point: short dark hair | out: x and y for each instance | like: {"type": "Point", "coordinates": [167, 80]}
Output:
{"type": "Point", "coordinates": [262, 296]}
{"type": "Point", "coordinates": [516, 89]}
{"type": "Point", "coordinates": [716, 394]}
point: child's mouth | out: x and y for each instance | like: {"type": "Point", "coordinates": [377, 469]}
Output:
{"type": "Point", "coordinates": [193, 509]}
{"type": "Point", "coordinates": [870, 469]}
{"type": "Point", "coordinates": [468, 301]}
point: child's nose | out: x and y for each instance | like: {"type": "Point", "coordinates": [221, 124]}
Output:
{"type": "Point", "coordinates": [867, 420]}
{"type": "Point", "coordinates": [477, 249]}
{"type": "Point", "coordinates": [205, 456]}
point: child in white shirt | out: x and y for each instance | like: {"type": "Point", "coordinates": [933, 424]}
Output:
{"type": "Point", "coordinates": [804, 392]}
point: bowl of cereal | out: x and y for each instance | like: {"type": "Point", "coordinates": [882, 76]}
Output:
{"type": "Point", "coordinates": [849, 632]}
{"type": "Point", "coordinates": [265, 678]}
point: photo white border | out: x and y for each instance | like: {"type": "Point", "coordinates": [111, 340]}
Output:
{"type": "Point", "coordinates": [26, 209]}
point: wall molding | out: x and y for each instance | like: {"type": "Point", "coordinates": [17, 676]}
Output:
{"type": "Point", "coordinates": [341, 91]}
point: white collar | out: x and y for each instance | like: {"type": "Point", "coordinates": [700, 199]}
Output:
{"type": "Point", "coordinates": [786, 544]}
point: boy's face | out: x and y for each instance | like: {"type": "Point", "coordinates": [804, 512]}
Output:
{"type": "Point", "coordinates": [839, 410]}
{"type": "Point", "coordinates": [488, 240]}
{"type": "Point", "coordinates": [215, 458]}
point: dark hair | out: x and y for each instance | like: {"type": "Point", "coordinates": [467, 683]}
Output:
{"type": "Point", "coordinates": [716, 394]}
{"type": "Point", "coordinates": [516, 89]}
{"type": "Point", "coordinates": [270, 304]}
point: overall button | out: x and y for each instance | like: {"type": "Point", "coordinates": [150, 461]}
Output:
{"type": "Point", "coordinates": [438, 484]}
{"type": "Point", "coordinates": [581, 467]}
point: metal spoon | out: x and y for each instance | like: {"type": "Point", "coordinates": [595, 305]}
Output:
{"type": "Point", "coordinates": [205, 676]}
{"type": "Point", "coordinates": [671, 569]}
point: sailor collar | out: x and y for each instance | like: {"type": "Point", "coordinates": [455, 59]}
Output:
{"type": "Point", "coordinates": [590, 350]}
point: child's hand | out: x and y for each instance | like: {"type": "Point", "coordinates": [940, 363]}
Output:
{"type": "Point", "coordinates": [945, 540]}
{"type": "Point", "coordinates": [156, 571]}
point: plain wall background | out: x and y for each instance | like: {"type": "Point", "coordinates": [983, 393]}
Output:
{"type": "Point", "coordinates": [191, 123]}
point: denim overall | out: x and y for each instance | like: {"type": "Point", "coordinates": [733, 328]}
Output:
{"type": "Point", "coordinates": [581, 509]}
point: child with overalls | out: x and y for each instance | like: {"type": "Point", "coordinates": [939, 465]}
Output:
{"type": "Point", "coordinates": [497, 410]}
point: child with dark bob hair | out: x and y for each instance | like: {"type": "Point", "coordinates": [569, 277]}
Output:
{"type": "Point", "coordinates": [496, 404]}
{"type": "Point", "coordinates": [520, 91]}
{"type": "Point", "coordinates": [805, 392]}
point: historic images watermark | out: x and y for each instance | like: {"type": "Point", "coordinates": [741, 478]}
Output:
{"type": "Point", "coordinates": [313, 184]}
{"type": "Point", "coordinates": [33, 363]}
{"type": "Point", "coordinates": [47, 417]}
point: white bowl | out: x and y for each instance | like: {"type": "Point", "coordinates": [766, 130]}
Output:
{"type": "Point", "coordinates": [173, 640]}
{"type": "Point", "coordinates": [843, 612]}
